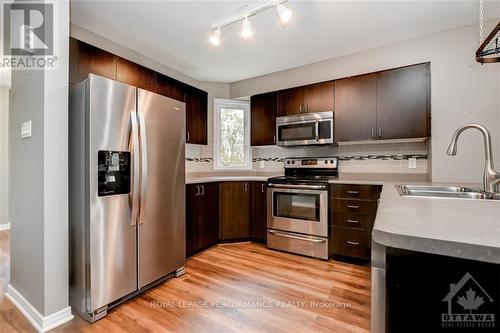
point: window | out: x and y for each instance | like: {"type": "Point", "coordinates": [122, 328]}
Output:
{"type": "Point", "coordinates": [232, 134]}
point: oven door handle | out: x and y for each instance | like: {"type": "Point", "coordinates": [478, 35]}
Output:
{"type": "Point", "coordinates": [281, 234]}
{"type": "Point", "coordinates": [299, 187]}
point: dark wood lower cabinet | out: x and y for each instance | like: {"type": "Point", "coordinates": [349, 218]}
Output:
{"type": "Point", "coordinates": [352, 211]}
{"type": "Point", "coordinates": [202, 216]}
{"type": "Point", "coordinates": [234, 210]}
{"type": "Point", "coordinates": [351, 242]}
{"type": "Point", "coordinates": [258, 211]}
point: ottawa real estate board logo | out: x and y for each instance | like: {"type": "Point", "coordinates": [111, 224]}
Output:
{"type": "Point", "coordinates": [469, 305]}
{"type": "Point", "coordinates": [28, 35]}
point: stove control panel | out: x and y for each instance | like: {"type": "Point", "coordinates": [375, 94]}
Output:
{"type": "Point", "coordinates": [311, 163]}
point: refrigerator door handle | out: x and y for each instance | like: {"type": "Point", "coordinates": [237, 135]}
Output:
{"type": "Point", "coordinates": [134, 138]}
{"type": "Point", "coordinates": [144, 166]}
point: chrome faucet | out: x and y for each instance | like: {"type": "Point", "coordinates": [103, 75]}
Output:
{"type": "Point", "coordinates": [491, 178]}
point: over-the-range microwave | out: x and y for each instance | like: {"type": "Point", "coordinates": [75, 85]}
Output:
{"type": "Point", "coordinates": [306, 129]}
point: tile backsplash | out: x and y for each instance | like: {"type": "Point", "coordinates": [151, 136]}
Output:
{"type": "Point", "coordinates": [367, 158]}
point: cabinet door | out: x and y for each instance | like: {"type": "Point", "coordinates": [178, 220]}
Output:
{"type": "Point", "coordinates": [209, 210]}
{"type": "Point", "coordinates": [85, 59]}
{"type": "Point", "coordinates": [169, 87]}
{"type": "Point", "coordinates": [193, 214]}
{"type": "Point", "coordinates": [355, 108]}
{"type": "Point", "coordinates": [319, 97]}
{"type": "Point", "coordinates": [136, 75]}
{"type": "Point", "coordinates": [258, 211]}
{"type": "Point", "coordinates": [263, 118]}
{"type": "Point", "coordinates": [290, 101]}
{"type": "Point", "coordinates": [234, 210]}
{"type": "Point", "coordinates": [196, 115]}
{"type": "Point", "coordinates": [403, 102]}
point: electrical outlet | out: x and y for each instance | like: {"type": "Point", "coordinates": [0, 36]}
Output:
{"type": "Point", "coordinates": [412, 163]}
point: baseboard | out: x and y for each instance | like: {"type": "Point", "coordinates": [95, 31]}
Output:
{"type": "Point", "coordinates": [39, 322]}
{"type": "Point", "coordinates": [5, 226]}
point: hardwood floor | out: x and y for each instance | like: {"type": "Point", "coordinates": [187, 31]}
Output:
{"type": "Point", "coordinates": [242, 287]}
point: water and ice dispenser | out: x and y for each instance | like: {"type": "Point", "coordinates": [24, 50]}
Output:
{"type": "Point", "coordinates": [114, 172]}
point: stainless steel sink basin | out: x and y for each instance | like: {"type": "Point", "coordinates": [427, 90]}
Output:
{"type": "Point", "coordinates": [445, 192]}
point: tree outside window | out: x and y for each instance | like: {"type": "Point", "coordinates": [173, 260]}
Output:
{"type": "Point", "coordinates": [232, 147]}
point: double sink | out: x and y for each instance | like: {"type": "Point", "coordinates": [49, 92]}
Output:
{"type": "Point", "coordinates": [455, 192]}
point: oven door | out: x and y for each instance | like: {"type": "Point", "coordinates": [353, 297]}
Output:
{"type": "Point", "coordinates": [298, 209]}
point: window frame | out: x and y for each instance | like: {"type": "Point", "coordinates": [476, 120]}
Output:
{"type": "Point", "coordinates": [231, 103]}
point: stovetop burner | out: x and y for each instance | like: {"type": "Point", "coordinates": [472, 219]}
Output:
{"type": "Point", "coordinates": [308, 171]}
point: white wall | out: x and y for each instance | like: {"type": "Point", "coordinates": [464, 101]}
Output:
{"type": "Point", "coordinates": [4, 156]}
{"type": "Point", "coordinates": [463, 91]}
{"type": "Point", "coordinates": [39, 180]}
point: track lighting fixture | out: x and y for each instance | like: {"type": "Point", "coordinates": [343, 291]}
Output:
{"type": "Point", "coordinates": [215, 38]}
{"type": "Point", "coordinates": [246, 29]}
{"type": "Point", "coordinates": [283, 13]}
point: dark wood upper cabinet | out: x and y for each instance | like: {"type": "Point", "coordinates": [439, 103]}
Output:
{"type": "Point", "coordinates": [316, 97]}
{"type": "Point", "coordinates": [403, 102]}
{"type": "Point", "coordinates": [169, 87]}
{"type": "Point", "coordinates": [85, 59]}
{"type": "Point", "coordinates": [356, 108]}
{"type": "Point", "coordinates": [234, 210]}
{"type": "Point", "coordinates": [136, 75]}
{"type": "Point", "coordinates": [263, 109]}
{"type": "Point", "coordinates": [319, 97]}
{"type": "Point", "coordinates": [196, 115]}
{"type": "Point", "coordinates": [258, 211]}
{"type": "Point", "coordinates": [290, 101]}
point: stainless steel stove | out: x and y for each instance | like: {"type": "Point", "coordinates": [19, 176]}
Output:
{"type": "Point", "coordinates": [297, 206]}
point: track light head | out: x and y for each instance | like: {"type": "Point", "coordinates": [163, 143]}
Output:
{"type": "Point", "coordinates": [246, 29]}
{"type": "Point", "coordinates": [284, 14]}
{"type": "Point", "coordinates": [215, 38]}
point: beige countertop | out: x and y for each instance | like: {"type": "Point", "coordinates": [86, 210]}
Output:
{"type": "Point", "coordinates": [460, 228]}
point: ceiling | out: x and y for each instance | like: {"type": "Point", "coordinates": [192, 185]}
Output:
{"type": "Point", "coordinates": [176, 33]}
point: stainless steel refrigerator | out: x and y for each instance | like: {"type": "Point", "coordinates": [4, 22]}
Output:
{"type": "Point", "coordinates": [127, 193]}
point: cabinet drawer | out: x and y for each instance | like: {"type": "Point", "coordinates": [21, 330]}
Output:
{"type": "Point", "coordinates": [351, 242]}
{"type": "Point", "coordinates": [368, 192]}
{"type": "Point", "coordinates": [353, 220]}
{"type": "Point", "coordinates": [360, 207]}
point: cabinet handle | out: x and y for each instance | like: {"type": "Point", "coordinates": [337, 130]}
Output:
{"type": "Point", "coordinates": [263, 189]}
{"type": "Point", "coordinates": [187, 136]}
{"type": "Point", "coordinates": [352, 243]}
{"type": "Point", "coordinates": [352, 207]}
{"type": "Point", "coordinates": [373, 133]}
{"type": "Point", "coordinates": [197, 191]}
{"type": "Point", "coordinates": [380, 132]}
{"type": "Point", "coordinates": [202, 189]}
{"type": "Point", "coordinates": [353, 192]}
{"type": "Point", "coordinates": [300, 108]}
{"type": "Point", "coordinates": [246, 187]}
{"type": "Point", "coordinates": [352, 221]}
{"type": "Point", "coordinates": [307, 108]}
{"type": "Point", "coordinates": [274, 139]}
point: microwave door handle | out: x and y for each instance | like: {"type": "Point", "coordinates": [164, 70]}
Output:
{"type": "Point", "coordinates": [144, 167]}
{"type": "Point", "coordinates": [134, 142]}
{"type": "Point", "coordinates": [317, 130]}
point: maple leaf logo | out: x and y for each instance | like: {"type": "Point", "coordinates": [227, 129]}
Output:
{"type": "Point", "coordinates": [470, 301]}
